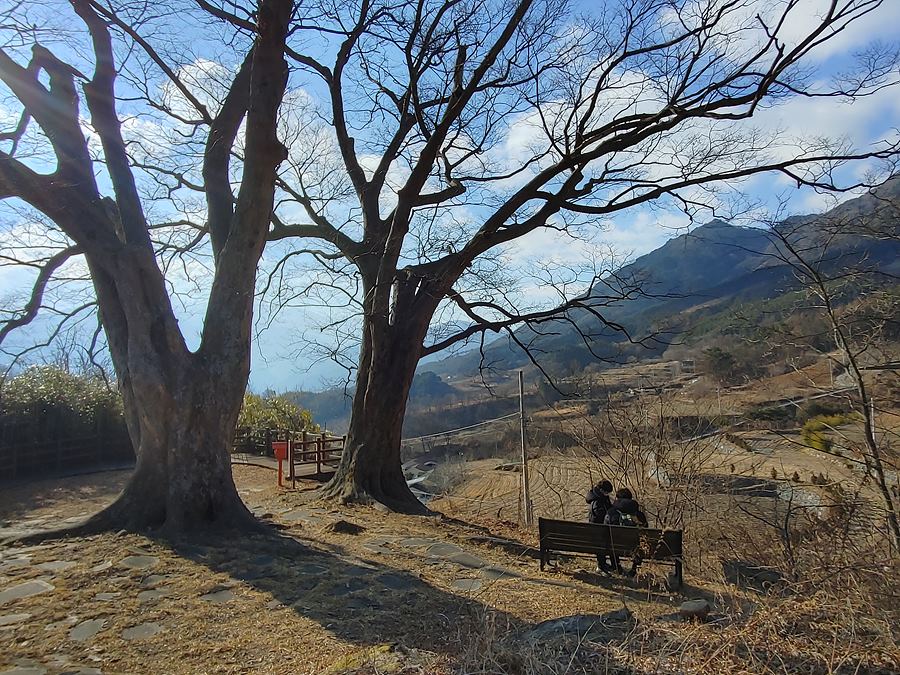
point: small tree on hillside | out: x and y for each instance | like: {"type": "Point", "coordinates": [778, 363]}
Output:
{"type": "Point", "coordinates": [722, 366]}
{"type": "Point", "coordinates": [261, 413]}
{"type": "Point", "coordinates": [858, 296]}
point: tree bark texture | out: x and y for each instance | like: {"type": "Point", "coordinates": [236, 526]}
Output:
{"type": "Point", "coordinates": [370, 468]}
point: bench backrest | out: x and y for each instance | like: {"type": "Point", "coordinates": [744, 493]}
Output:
{"type": "Point", "coordinates": [567, 535]}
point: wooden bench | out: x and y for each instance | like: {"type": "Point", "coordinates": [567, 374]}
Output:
{"type": "Point", "coordinates": [566, 536]}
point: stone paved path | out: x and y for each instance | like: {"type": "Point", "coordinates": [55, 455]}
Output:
{"type": "Point", "coordinates": [134, 593]}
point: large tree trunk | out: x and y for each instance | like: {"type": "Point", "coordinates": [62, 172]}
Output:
{"type": "Point", "coordinates": [370, 468]}
{"type": "Point", "coordinates": [181, 407]}
{"type": "Point", "coordinates": [182, 480]}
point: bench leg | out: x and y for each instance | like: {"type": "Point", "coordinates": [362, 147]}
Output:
{"type": "Point", "coordinates": [544, 557]}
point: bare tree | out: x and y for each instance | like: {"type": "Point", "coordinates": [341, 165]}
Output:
{"type": "Point", "coordinates": [856, 294]}
{"type": "Point", "coordinates": [643, 101]}
{"type": "Point", "coordinates": [181, 405]}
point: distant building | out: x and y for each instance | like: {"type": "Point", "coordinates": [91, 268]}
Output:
{"type": "Point", "coordinates": [688, 367]}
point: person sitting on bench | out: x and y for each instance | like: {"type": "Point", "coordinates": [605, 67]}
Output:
{"type": "Point", "coordinates": [627, 512]}
{"type": "Point", "coordinates": [599, 503]}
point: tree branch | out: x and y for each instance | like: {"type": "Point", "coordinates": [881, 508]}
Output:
{"type": "Point", "coordinates": [30, 311]}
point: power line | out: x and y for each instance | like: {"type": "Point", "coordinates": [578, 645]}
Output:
{"type": "Point", "coordinates": [453, 431]}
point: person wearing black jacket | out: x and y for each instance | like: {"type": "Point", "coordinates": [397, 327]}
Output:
{"type": "Point", "coordinates": [626, 511]}
{"type": "Point", "coordinates": [599, 502]}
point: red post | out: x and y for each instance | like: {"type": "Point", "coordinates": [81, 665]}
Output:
{"type": "Point", "coordinates": [280, 449]}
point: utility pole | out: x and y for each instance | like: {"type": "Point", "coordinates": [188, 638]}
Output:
{"type": "Point", "coordinates": [526, 497]}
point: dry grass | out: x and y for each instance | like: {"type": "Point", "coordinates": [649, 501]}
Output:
{"type": "Point", "coordinates": [337, 621]}
{"type": "Point", "coordinates": [813, 634]}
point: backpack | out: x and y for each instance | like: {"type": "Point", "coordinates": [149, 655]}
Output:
{"type": "Point", "coordinates": [616, 517]}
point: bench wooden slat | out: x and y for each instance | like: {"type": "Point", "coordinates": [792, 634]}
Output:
{"type": "Point", "coordinates": [648, 548]}
{"type": "Point", "coordinates": [568, 536]}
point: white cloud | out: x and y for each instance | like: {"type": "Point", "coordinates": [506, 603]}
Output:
{"type": "Point", "coordinates": [635, 233]}
{"type": "Point", "coordinates": [880, 24]}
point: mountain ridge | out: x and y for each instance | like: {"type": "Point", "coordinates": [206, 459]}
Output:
{"type": "Point", "coordinates": [708, 269]}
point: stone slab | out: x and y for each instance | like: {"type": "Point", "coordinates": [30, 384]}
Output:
{"type": "Point", "coordinates": [25, 590]}
{"type": "Point", "coordinates": [443, 550]}
{"type": "Point", "coordinates": [467, 560]}
{"type": "Point", "coordinates": [219, 597]}
{"type": "Point", "coordinates": [59, 625]}
{"type": "Point", "coordinates": [494, 573]}
{"type": "Point", "coordinates": [10, 619]}
{"type": "Point", "coordinates": [106, 597]}
{"type": "Point", "coordinates": [355, 584]}
{"type": "Point", "coordinates": [694, 609]}
{"type": "Point", "coordinates": [581, 625]}
{"type": "Point", "coordinates": [375, 548]}
{"type": "Point", "coordinates": [142, 631]}
{"type": "Point", "coordinates": [383, 539]}
{"type": "Point", "coordinates": [152, 595]}
{"type": "Point", "coordinates": [86, 630]}
{"type": "Point", "coordinates": [466, 585]}
{"type": "Point", "coordinates": [140, 562]}
{"type": "Point", "coordinates": [56, 566]}
{"type": "Point", "coordinates": [301, 517]}
{"type": "Point", "coordinates": [310, 568]}
{"type": "Point", "coordinates": [250, 574]}
{"type": "Point", "coordinates": [361, 602]}
{"type": "Point", "coordinates": [357, 571]}
{"type": "Point", "coordinates": [192, 550]}
{"type": "Point", "coordinates": [395, 582]}
{"type": "Point", "coordinates": [34, 522]}
{"type": "Point", "coordinates": [15, 564]}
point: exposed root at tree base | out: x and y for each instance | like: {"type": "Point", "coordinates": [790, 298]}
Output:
{"type": "Point", "coordinates": [406, 505]}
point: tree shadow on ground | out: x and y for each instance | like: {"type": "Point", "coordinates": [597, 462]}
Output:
{"type": "Point", "coordinates": [19, 500]}
{"type": "Point", "coordinates": [360, 601]}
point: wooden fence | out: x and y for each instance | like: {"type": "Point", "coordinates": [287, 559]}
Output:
{"type": "Point", "coordinates": [27, 455]}
{"type": "Point", "coordinates": [306, 449]}
{"type": "Point", "coordinates": [292, 449]}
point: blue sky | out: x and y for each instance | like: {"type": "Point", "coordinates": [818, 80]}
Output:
{"type": "Point", "coordinates": [276, 363]}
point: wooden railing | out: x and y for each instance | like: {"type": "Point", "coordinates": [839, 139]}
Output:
{"type": "Point", "coordinates": [303, 449]}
